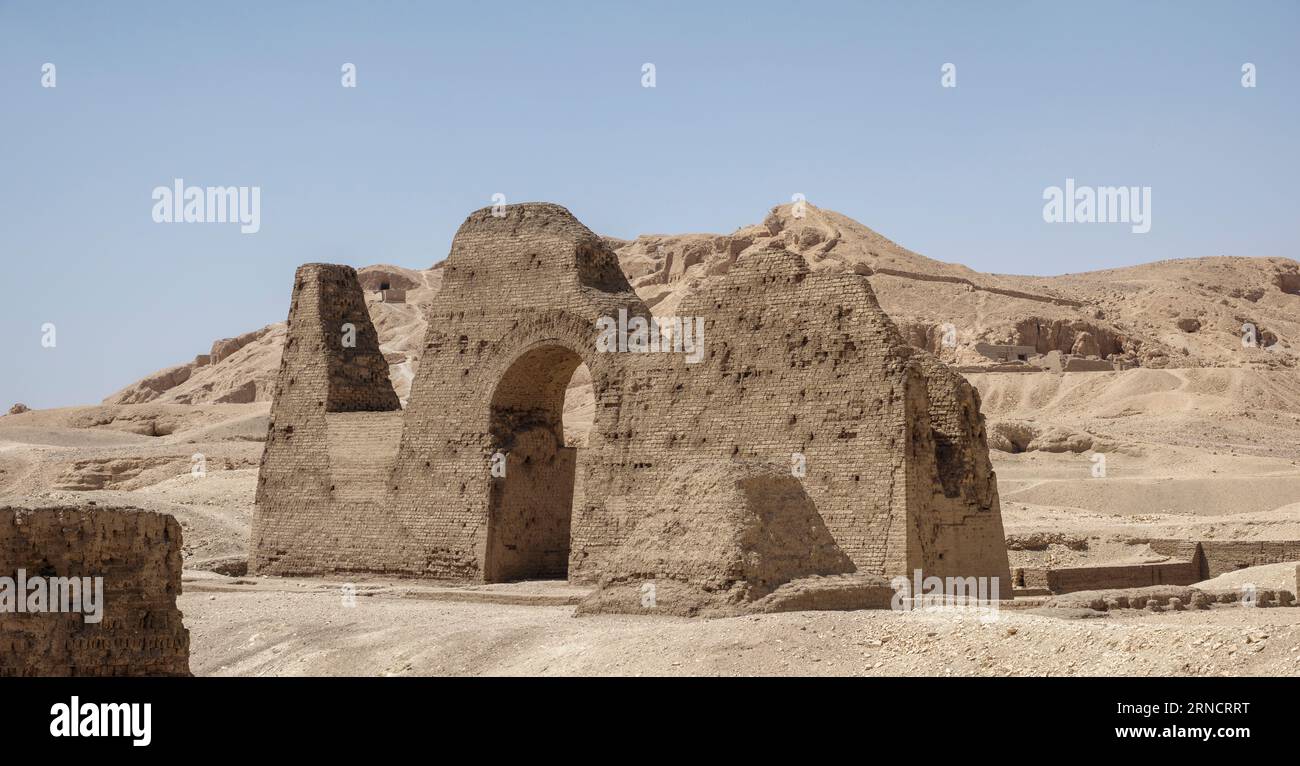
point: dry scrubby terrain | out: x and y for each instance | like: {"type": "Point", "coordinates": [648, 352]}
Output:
{"type": "Point", "coordinates": [1200, 442]}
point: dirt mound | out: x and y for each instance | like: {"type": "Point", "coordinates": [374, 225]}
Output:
{"type": "Point", "coordinates": [1284, 576]}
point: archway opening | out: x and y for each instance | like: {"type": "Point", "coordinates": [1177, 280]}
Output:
{"type": "Point", "coordinates": [579, 408]}
{"type": "Point", "coordinates": [533, 468]}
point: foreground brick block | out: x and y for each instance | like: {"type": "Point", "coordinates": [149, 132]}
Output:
{"type": "Point", "coordinates": [138, 555]}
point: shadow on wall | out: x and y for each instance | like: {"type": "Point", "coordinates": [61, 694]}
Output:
{"type": "Point", "coordinates": [720, 535]}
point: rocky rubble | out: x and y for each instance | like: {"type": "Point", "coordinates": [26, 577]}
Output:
{"type": "Point", "coordinates": [1158, 598]}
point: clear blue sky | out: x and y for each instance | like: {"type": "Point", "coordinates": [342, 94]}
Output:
{"type": "Point", "coordinates": [543, 101]}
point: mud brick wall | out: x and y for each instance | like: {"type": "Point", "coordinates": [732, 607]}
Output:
{"type": "Point", "coordinates": [533, 541]}
{"type": "Point", "coordinates": [332, 404]}
{"type": "Point", "coordinates": [357, 373]}
{"type": "Point", "coordinates": [1199, 561]}
{"type": "Point", "coordinates": [1222, 556]}
{"type": "Point", "coordinates": [794, 362]}
{"type": "Point", "coordinates": [138, 553]}
{"type": "Point", "coordinates": [1073, 579]}
{"type": "Point", "coordinates": [806, 363]}
{"type": "Point", "coordinates": [517, 314]}
{"type": "Point", "coordinates": [1229, 555]}
{"type": "Point", "coordinates": [962, 534]}
{"type": "Point", "coordinates": [720, 535]}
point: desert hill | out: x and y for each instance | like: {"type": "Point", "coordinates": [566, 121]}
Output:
{"type": "Point", "coordinates": [1183, 313]}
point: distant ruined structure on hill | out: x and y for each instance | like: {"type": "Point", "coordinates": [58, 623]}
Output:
{"type": "Point", "coordinates": [809, 440]}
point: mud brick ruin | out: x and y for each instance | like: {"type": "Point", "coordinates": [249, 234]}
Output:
{"type": "Point", "coordinates": [1188, 562]}
{"type": "Point", "coordinates": [138, 555]}
{"type": "Point", "coordinates": [809, 441]}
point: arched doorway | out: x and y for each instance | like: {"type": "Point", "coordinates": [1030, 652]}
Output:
{"type": "Point", "coordinates": [531, 501]}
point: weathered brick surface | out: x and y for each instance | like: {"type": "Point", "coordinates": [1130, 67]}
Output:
{"type": "Point", "coordinates": [138, 555]}
{"type": "Point", "coordinates": [1073, 579]}
{"type": "Point", "coordinates": [327, 395]}
{"type": "Point", "coordinates": [1193, 562]}
{"type": "Point", "coordinates": [794, 362]}
{"type": "Point", "coordinates": [719, 535]}
{"type": "Point", "coordinates": [962, 532]}
{"type": "Point", "coordinates": [1216, 557]}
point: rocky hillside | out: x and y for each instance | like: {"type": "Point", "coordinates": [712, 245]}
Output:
{"type": "Point", "coordinates": [1183, 313]}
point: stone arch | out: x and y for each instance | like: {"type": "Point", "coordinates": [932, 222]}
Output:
{"type": "Point", "coordinates": [442, 483]}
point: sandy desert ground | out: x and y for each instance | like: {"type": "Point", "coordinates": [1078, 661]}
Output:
{"type": "Point", "coordinates": [301, 628]}
{"type": "Point", "coordinates": [1201, 441]}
